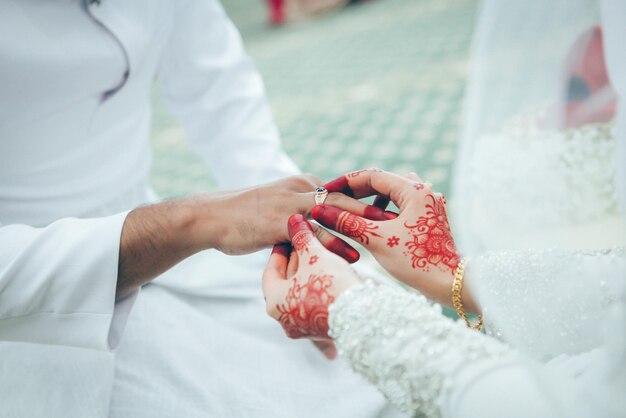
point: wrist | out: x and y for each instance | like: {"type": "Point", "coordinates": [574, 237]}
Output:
{"type": "Point", "coordinates": [200, 222]}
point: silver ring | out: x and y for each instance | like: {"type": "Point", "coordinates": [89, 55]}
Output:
{"type": "Point", "coordinates": [320, 195]}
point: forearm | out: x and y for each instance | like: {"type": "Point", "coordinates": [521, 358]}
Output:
{"type": "Point", "coordinates": [155, 238]}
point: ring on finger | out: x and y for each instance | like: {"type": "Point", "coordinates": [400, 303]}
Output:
{"type": "Point", "coordinates": [320, 195]}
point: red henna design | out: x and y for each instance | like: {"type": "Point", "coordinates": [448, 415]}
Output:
{"type": "Point", "coordinates": [419, 186]}
{"type": "Point", "coordinates": [357, 173]}
{"type": "Point", "coordinates": [313, 260]}
{"type": "Point", "coordinates": [300, 232]}
{"type": "Point", "coordinates": [301, 241]}
{"type": "Point", "coordinates": [432, 242]}
{"type": "Point", "coordinates": [354, 174]}
{"type": "Point", "coordinates": [356, 227]}
{"type": "Point", "coordinates": [344, 222]}
{"type": "Point", "coordinates": [305, 311]}
{"type": "Point", "coordinates": [393, 241]}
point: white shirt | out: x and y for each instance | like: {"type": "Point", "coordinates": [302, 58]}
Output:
{"type": "Point", "coordinates": [75, 85]}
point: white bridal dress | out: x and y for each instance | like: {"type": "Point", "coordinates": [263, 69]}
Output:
{"type": "Point", "coordinates": [539, 180]}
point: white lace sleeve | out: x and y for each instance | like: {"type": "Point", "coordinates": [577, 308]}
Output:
{"type": "Point", "coordinates": [567, 292]}
{"type": "Point", "coordinates": [404, 345]}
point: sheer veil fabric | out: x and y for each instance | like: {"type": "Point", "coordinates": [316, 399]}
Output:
{"type": "Point", "coordinates": [540, 187]}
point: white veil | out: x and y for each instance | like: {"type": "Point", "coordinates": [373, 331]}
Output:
{"type": "Point", "coordinates": [531, 167]}
{"type": "Point", "coordinates": [541, 175]}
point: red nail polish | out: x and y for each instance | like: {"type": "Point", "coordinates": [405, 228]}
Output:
{"type": "Point", "coordinates": [390, 215]}
{"type": "Point", "coordinates": [339, 185]}
{"type": "Point", "coordinates": [353, 255]}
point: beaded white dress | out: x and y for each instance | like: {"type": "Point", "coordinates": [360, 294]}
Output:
{"type": "Point", "coordinates": [537, 209]}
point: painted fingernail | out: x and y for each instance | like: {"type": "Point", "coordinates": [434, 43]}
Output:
{"type": "Point", "coordinates": [352, 255]}
{"type": "Point", "coordinates": [390, 215]}
{"type": "Point", "coordinates": [339, 185]}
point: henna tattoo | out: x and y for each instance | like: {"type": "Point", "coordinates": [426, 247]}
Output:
{"type": "Point", "coordinates": [356, 227]}
{"type": "Point", "coordinates": [432, 242]}
{"type": "Point", "coordinates": [393, 241]}
{"type": "Point", "coordinates": [313, 260]}
{"type": "Point", "coordinates": [305, 311]}
{"type": "Point", "coordinates": [357, 173]}
{"type": "Point", "coordinates": [301, 241]}
{"type": "Point", "coordinates": [354, 174]}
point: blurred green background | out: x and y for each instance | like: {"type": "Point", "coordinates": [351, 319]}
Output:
{"type": "Point", "coordinates": [375, 84]}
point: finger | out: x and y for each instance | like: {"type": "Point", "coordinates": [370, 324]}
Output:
{"type": "Point", "coordinates": [300, 183]}
{"type": "Point", "coordinates": [336, 245]}
{"type": "Point", "coordinates": [301, 234]}
{"type": "Point", "coordinates": [348, 224]}
{"type": "Point", "coordinates": [276, 268]}
{"type": "Point", "coordinates": [414, 177]}
{"type": "Point", "coordinates": [292, 265]}
{"type": "Point", "coordinates": [381, 202]}
{"type": "Point", "coordinates": [358, 208]}
{"type": "Point", "coordinates": [327, 348]}
{"type": "Point", "coordinates": [372, 182]}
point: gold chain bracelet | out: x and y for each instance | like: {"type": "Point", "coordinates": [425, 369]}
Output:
{"type": "Point", "coordinates": [457, 288]}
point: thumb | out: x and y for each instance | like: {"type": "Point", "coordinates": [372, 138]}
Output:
{"type": "Point", "coordinates": [301, 233]}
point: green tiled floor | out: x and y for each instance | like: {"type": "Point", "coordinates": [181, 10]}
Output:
{"type": "Point", "coordinates": [379, 84]}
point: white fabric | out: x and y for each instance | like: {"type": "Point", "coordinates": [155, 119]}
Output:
{"type": "Point", "coordinates": [568, 312]}
{"type": "Point", "coordinates": [74, 119]}
{"type": "Point", "coordinates": [431, 367]}
{"type": "Point", "coordinates": [527, 178]}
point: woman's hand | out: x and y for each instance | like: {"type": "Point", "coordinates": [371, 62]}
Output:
{"type": "Point", "coordinates": [417, 247]}
{"type": "Point", "coordinates": [301, 280]}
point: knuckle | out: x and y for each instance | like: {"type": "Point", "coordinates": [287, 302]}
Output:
{"type": "Point", "coordinates": [312, 179]}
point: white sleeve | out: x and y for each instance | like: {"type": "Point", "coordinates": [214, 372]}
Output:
{"type": "Point", "coordinates": [430, 366]}
{"type": "Point", "coordinates": [213, 88]}
{"type": "Point", "coordinates": [58, 283]}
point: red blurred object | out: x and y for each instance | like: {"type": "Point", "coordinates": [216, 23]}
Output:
{"type": "Point", "coordinates": [588, 94]}
{"type": "Point", "coordinates": [276, 12]}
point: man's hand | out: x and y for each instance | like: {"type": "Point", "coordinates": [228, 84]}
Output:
{"type": "Point", "coordinates": [248, 220]}
{"type": "Point", "coordinates": [156, 237]}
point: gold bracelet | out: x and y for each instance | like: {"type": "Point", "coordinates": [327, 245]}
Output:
{"type": "Point", "coordinates": [457, 288]}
